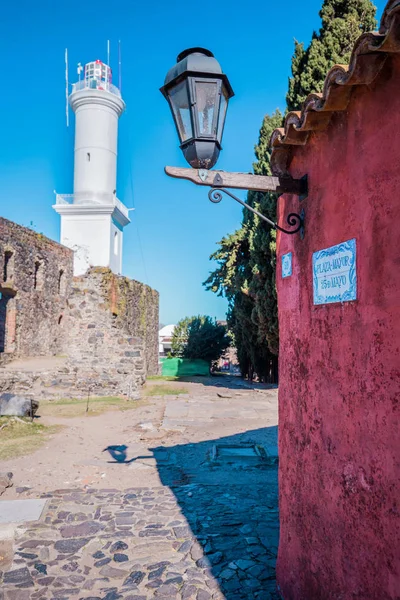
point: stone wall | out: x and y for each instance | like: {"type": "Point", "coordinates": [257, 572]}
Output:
{"type": "Point", "coordinates": [105, 325]}
{"type": "Point", "coordinates": [136, 310]}
{"type": "Point", "coordinates": [35, 277]}
{"type": "Point", "coordinates": [134, 307]}
{"type": "Point", "coordinates": [102, 357]}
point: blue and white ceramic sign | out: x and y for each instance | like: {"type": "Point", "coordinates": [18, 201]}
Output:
{"type": "Point", "coordinates": [334, 273]}
{"type": "Point", "coordinates": [287, 265]}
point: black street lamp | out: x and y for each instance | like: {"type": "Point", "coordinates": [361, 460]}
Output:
{"type": "Point", "coordinates": [198, 93]}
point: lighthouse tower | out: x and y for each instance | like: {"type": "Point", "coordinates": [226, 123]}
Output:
{"type": "Point", "coordinates": [92, 218]}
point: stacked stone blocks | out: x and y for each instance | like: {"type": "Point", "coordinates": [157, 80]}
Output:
{"type": "Point", "coordinates": [35, 276]}
{"type": "Point", "coordinates": [104, 325]}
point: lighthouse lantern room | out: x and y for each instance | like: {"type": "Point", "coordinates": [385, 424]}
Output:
{"type": "Point", "coordinates": [93, 218]}
{"type": "Point", "coordinates": [98, 75]}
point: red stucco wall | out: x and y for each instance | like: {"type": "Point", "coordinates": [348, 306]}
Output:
{"type": "Point", "coordinates": [339, 399]}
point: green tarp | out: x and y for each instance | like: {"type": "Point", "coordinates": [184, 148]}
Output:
{"type": "Point", "coordinates": [184, 367]}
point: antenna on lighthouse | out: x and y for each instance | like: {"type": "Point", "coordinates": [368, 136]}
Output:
{"type": "Point", "coordinates": [108, 52]}
{"type": "Point", "coordinates": [66, 87]}
{"type": "Point", "coordinates": [119, 66]}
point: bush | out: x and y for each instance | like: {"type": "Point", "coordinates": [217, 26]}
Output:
{"type": "Point", "coordinates": [200, 337]}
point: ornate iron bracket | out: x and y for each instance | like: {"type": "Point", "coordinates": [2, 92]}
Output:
{"type": "Point", "coordinates": [220, 180]}
{"type": "Point", "coordinates": [293, 219]}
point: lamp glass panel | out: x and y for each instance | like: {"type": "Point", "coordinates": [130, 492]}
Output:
{"type": "Point", "coordinates": [179, 99]}
{"type": "Point", "coordinates": [222, 112]}
{"type": "Point", "coordinates": [206, 104]}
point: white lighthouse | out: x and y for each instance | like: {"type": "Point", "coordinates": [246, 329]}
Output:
{"type": "Point", "coordinates": [92, 218]}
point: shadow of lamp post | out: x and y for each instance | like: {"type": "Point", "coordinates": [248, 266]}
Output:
{"type": "Point", "coordinates": [198, 93]}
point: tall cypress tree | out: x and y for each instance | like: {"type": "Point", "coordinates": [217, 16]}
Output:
{"type": "Point", "coordinates": [343, 21]}
{"type": "Point", "coordinates": [262, 241]}
{"type": "Point", "coordinates": [247, 259]}
{"type": "Point", "coordinates": [246, 274]}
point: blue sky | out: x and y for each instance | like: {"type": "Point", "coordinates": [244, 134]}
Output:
{"type": "Point", "coordinates": [175, 227]}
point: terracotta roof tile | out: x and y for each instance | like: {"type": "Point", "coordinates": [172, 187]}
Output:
{"type": "Point", "coordinates": [367, 59]}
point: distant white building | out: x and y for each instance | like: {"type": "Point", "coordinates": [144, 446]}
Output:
{"type": "Point", "coordinates": [165, 339]}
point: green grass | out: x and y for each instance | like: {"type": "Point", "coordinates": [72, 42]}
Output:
{"type": "Point", "coordinates": [76, 407]}
{"type": "Point", "coordinates": [19, 438]}
{"type": "Point", "coordinates": [164, 390]}
{"type": "Point", "coordinates": [163, 378]}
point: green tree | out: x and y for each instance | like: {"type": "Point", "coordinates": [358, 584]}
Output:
{"type": "Point", "coordinates": [200, 337]}
{"type": "Point", "coordinates": [246, 259]}
{"type": "Point", "coordinates": [262, 242]}
{"type": "Point", "coordinates": [245, 274]}
{"type": "Point", "coordinates": [343, 21]}
{"type": "Point", "coordinates": [230, 279]}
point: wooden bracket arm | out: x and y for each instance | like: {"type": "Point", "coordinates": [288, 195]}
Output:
{"type": "Point", "coordinates": [241, 181]}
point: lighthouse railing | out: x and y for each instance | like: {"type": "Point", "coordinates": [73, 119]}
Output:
{"type": "Point", "coordinates": [94, 84]}
{"type": "Point", "coordinates": [92, 200]}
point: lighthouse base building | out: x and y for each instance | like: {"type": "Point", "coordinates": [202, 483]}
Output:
{"type": "Point", "coordinates": [93, 231]}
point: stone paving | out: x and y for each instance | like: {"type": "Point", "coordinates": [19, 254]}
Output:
{"type": "Point", "coordinates": [138, 544]}
{"type": "Point", "coordinates": [208, 530]}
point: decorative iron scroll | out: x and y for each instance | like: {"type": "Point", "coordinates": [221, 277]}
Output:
{"type": "Point", "coordinates": [293, 219]}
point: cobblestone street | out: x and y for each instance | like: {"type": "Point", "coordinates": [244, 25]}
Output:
{"type": "Point", "coordinates": [199, 519]}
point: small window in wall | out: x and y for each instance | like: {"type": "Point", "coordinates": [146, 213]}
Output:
{"type": "Point", "coordinates": [116, 242]}
{"type": "Point", "coordinates": [61, 282]}
{"type": "Point", "coordinates": [8, 269]}
{"type": "Point", "coordinates": [38, 276]}
{"type": "Point", "coordinates": [8, 324]}
{"type": "Point", "coordinates": [3, 322]}
{"type": "Point", "coordinates": [88, 156]}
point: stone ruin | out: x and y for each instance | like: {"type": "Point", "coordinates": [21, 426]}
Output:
{"type": "Point", "coordinates": [65, 336]}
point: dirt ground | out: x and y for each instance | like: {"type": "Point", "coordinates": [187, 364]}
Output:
{"type": "Point", "coordinates": [174, 496]}
{"type": "Point", "coordinates": [76, 456]}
